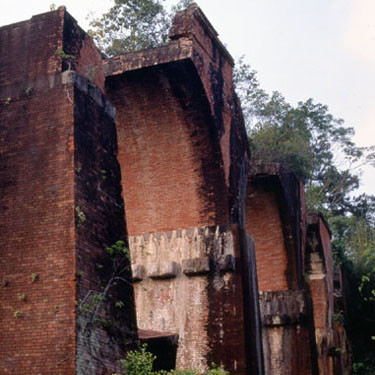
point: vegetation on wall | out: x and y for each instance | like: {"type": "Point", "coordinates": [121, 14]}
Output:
{"type": "Point", "coordinates": [140, 362]}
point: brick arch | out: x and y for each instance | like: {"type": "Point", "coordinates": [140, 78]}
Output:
{"type": "Point", "coordinates": [264, 223]}
{"type": "Point", "coordinates": [171, 163]}
{"type": "Point", "coordinates": [275, 218]}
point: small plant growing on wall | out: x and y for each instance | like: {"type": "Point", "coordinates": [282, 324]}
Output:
{"type": "Point", "coordinates": [17, 314]}
{"type": "Point", "coordinates": [34, 277]}
{"type": "Point", "coordinates": [21, 297]}
{"type": "Point", "coordinates": [118, 266]}
{"type": "Point", "coordinates": [140, 362]}
{"type": "Point", "coordinates": [28, 90]}
{"type": "Point", "coordinates": [65, 57]}
{"type": "Point", "coordinates": [81, 217]}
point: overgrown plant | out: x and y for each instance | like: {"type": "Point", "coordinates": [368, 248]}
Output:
{"type": "Point", "coordinates": [66, 57]}
{"type": "Point", "coordinates": [93, 301]}
{"type": "Point", "coordinates": [140, 362]}
{"type": "Point", "coordinates": [131, 25]}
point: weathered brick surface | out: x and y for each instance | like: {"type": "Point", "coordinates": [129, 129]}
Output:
{"type": "Point", "coordinates": [264, 223]}
{"type": "Point", "coordinates": [28, 49]}
{"type": "Point", "coordinates": [184, 156]}
{"type": "Point", "coordinates": [170, 162]}
{"type": "Point", "coordinates": [52, 127]}
{"type": "Point", "coordinates": [286, 337]}
{"type": "Point", "coordinates": [275, 211]}
{"type": "Point", "coordinates": [214, 64]}
{"type": "Point", "coordinates": [204, 309]}
{"type": "Point", "coordinates": [292, 359]}
{"type": "Point", "coordinates": [275, 217]}
{"type": "Point", "coordinates": [331, 340]}
{"type": "Point", "coordinates": [87, 58]}
{"type": "Point", "coordinates": [195, 44]}
{"type": "Point", "coordinates": [103, 331]}
{"type": "Point", "coordinates": [37, 233]}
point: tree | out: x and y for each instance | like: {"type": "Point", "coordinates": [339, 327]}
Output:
{"type": "Point", "coordinates": [306, 138]}
{"type": "Point", "coordinates": [131, 25]}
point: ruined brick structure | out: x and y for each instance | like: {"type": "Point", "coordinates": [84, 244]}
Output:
{"type": "Point", "coordinates": [330, 336]}
{"type": "Point", "coordinates": [148, 148]}
{"type": "Point", "coordinates": [275, 217]}
{"type": "Point", "coordinates": [61, 206]}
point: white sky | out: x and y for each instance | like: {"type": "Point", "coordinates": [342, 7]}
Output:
{"type": "Point", "coordinates": [302, 48]}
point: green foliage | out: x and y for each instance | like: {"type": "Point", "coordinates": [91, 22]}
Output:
{"type": "Point", "coordinates": [28, 90]}
{"type": "Point", "coordinates": [21, 297]}
{"type": "Point", "coordinates": [65, 57]}
{"type": "Point", "coordinates": [138, 362]}
{"type": "Point", "coordinates": [131, 25]}
{"type": "Point", "coordinates": [339, 318]}
{"type": "Point", "coordinates": [119, 248]}
{"type": "Point", "coordinates": [17, 314]}
{"type": "Point", "coordinates": [34, 277]}
{"type": "Point", "coordinates": [81, 217]}
{"type": "Point", "coordinates": [306, 138]}
{"type": "Point", "coordinates": [119, 304]}
{"type": "Point", "coordinates": [217, 370]}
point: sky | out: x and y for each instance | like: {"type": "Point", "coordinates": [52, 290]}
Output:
{"type": "Point", "coordinates": [317, 49]}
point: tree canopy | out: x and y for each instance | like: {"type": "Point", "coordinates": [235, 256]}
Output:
{"type": "Point", "coordinates": [131, 25]}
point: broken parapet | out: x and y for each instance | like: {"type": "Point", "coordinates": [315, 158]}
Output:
{"type": "Point", "coordinates": [275, 217]}
{"type": "Point", "coordinates": [61, 205]}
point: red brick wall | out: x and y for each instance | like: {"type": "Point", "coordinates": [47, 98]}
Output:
{"type": "Point", "coordinates": [318, 291]}
{"type": "Point", "coordinates": [46, 141]}
{"type": "Point", "coordinates": [88, 60]}
{"type": "Point", "coordinates": [102, 336]}
{"type": "Point", "coordinates": [264, 224]}
{"type": "Point", "coordinates": [28, 49]}
{"type": "Point", "coordinates": [215, 68]}
{"type": "Point", "coordinates": [171, 166]}
{"type": "Point", "coordinates": [37, 234]}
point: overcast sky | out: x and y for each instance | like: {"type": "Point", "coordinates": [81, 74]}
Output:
{"type": "Point", "coordinates": [323, 49]}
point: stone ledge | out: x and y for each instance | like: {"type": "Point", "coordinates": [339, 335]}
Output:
{"type": "Point", "coordinates": [196, 266]}
{"type": "Point", "coordinates": [227, 263]}
{"type": "Point", "coordinates": [138, 272]}
{"type": "Point", "coordinates": [284, 307]}
{"type": "Point", "coordinates": [163, 270]}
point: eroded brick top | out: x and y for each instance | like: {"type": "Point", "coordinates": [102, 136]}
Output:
{"type": "Point", "coordinates": [35, 48]}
